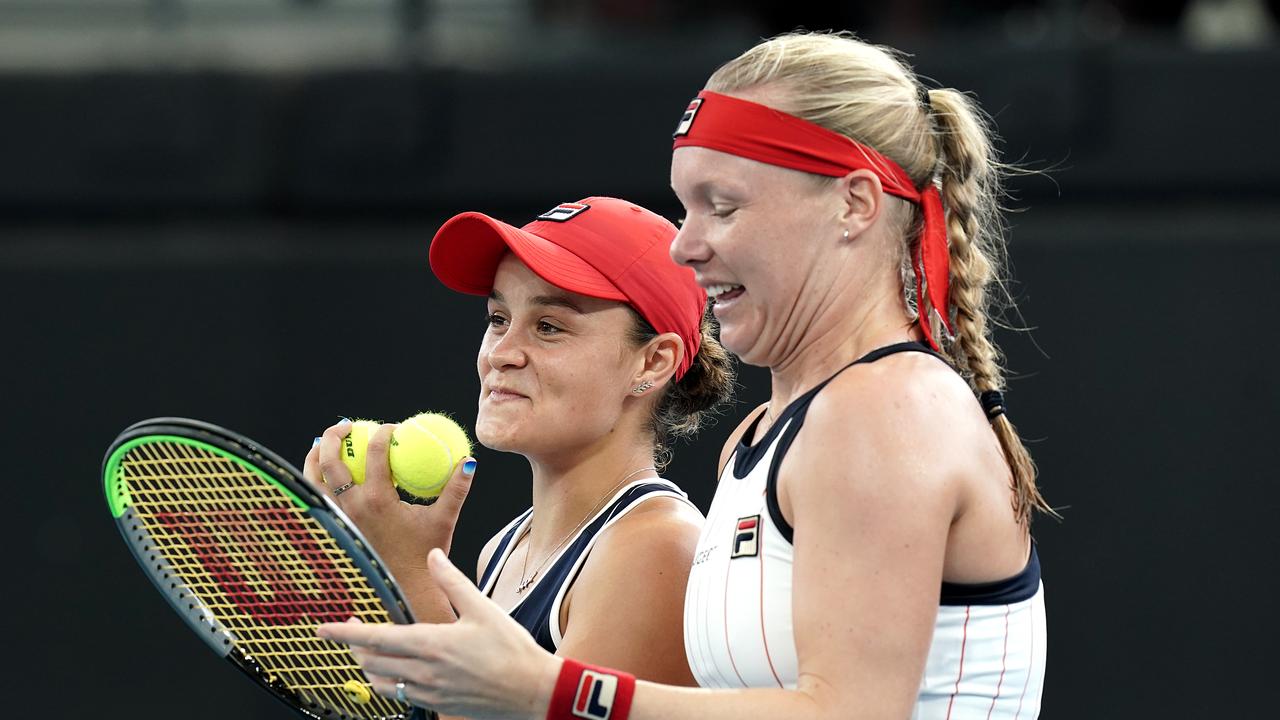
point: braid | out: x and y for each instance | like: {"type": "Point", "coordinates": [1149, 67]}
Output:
{"type": "Point", "coordinates": [970, 186]}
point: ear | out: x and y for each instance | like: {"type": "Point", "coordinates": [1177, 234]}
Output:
{"type": "Point", "coordinates": [661, 356]}
{"type": "Point", "coordinates": [862, 199]}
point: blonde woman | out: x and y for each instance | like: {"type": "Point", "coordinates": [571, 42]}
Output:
{"type": "Point", "coordinates": [868, 550]}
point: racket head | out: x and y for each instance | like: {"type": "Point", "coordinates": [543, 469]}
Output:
{"type": "Point", "coordinates": [253, 559]}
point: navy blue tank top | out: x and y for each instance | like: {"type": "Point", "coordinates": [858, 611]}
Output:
{"type": "Point", "coordinates": [539, 608]}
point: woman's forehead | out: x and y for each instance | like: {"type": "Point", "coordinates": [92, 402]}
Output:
{"type": "Point", "coordinates": [515, 283]}
{"type": "Point", "coordinates": [698, 171]}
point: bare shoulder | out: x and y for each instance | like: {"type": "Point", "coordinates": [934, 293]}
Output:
{"type": "Point", "coordinates": [657, 537]}
{"type": "Point", "coordinates": [905, 423]}
{"type": "Point", "coordinates": [663, 524]}
{"type": "Point", "coordinates": [651, 548]}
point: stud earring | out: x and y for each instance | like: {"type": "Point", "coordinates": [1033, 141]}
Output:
{"type": "Point", "coordinates": [642, 387]}
{"type": "Point", "coordinates": [846, 233]}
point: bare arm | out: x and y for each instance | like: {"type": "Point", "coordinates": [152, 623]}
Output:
{"type": "Point", "coordinates": [627, 605]}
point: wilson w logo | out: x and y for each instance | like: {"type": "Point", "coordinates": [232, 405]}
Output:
{"type": "Point", "coordinates": [265, 561]}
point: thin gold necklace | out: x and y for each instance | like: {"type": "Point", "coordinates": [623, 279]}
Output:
{"type": "Point", "coordinates": [525, 582]}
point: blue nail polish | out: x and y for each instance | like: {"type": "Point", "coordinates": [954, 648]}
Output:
{"type": "Point", "coordinates": [469, 467]}
{"type": "Point", "coordinates": [315, 442]}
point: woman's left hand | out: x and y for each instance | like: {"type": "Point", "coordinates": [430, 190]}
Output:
{"type": "Point", "coordinates": [400, 532]}
{"type": "Point", "coordinates": [485, 665]}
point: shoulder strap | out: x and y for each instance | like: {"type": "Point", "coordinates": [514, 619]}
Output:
{"type": "Point", "coordinates": [500, 553]}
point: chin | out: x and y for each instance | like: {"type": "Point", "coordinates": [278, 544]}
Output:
{"type": "Point", "coordinates": [741, 345]}
{"type": "Point", "coordinates": [494, 435]}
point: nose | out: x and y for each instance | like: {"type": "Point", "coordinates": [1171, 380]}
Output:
{"type": "Point", "coordinates": [505, 351]}
{"type": "Point", "coordinates": [689, 246]}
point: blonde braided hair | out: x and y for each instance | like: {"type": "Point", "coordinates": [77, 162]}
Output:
{"type": "Point", "coordinates": [868, 93]}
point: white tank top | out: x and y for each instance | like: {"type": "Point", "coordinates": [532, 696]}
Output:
{"type": "Point", "coordinates": [987, 657]}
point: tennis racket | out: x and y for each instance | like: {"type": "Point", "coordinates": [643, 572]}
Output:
{"type": "Point", "coordinates": [253, 559]}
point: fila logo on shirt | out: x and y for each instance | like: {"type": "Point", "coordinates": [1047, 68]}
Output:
{"type": "Point", "coordinates": [746, 538]}
{"type": "Point", "coordinates": [594, 700]}
{"type": "Point", "coordinates": [564, 211]}
{"type": "Point", "coordinates": [686, 121]}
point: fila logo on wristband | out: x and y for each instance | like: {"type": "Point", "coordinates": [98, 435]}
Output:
{"type": "Point", "coordinates": [564, 211]}
{"type": "Point", "coordinates": [746, 537]}
{"type": "Point", "coordinates": [686, 121]}
{"type": "Point", "coordinates": [594, 699]}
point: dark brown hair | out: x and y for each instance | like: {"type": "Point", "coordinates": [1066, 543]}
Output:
{"type": "Point", "coordinates": [688, 404]}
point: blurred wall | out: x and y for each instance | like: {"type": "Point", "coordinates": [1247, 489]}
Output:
{"type": "Point", "coordinates": [249, 249]}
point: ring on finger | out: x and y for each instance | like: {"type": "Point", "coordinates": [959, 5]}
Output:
{"type": "Point", "coordinates": [343, 488]}
{"type": "Point", "coordinates": [400, 692]}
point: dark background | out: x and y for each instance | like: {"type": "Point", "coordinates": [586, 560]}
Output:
{"type": "Point", "coordinates": [221, 210]}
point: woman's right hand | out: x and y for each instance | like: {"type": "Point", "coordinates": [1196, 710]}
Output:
{"type": "Point", "coordinates": [400, 532]}
{"type": "Point", "coordinates": [483, 666]}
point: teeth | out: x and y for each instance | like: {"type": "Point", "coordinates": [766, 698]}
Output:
{"type": "Point", "coordinates": [715, 291]}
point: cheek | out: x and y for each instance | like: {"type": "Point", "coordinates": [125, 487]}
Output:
{"type": "Point", "coordinates": [586, 390]}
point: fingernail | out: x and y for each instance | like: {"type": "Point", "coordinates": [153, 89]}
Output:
{"type": "Point", "coordinates": [343, 418]}
{"type": "Point", "coordinates": [315, 442]}
{"type": "Point", "coordinates": [469, 467]}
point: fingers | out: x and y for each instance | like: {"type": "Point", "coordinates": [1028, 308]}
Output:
{"type": "Point", "coordinates": [378, 487]}
{"type": "Point", "coordinates": [333, 471]}
{"type": "Point", "coordinates": [458, 588]}
{"type": "Point", "coordinates": [455, 491]}
{"type": "Point", "coordinates": [312, 474]}
{"type": "Point", "coordinates": [382, 639]}
{"type": "Point", "coordinates": [376, 491]}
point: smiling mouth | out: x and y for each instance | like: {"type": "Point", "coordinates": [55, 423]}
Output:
{"type": "Point", "coordinates": [724, 292]}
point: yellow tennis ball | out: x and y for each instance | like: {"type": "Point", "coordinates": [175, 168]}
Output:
{"type": "Point", "coordinates": [355, 445]}
{"type": "Point", "coordinates": [357, 692]}
{"type": "Point", "coordinates": [424, 450]}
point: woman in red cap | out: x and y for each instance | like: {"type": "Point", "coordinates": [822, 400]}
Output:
{"type": "Point", "coordinates": [868, 551]}
{"type": "Point", "coordinates": [598, 352]}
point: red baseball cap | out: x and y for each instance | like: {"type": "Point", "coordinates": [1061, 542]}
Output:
{"type": "Point", "coordinates": [601, 247]}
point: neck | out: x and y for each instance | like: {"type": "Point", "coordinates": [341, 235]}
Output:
{"type": "Point", "coordinates": [853, 321]}
{"type": "Point", "coordinates": [567, 490]}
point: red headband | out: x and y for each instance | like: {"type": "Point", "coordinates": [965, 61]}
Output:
{"type": "Point", "coordinates": [755, 131]}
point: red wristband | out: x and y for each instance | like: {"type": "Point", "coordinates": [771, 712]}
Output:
{"type": "Point", "coordinates": [595, 693]}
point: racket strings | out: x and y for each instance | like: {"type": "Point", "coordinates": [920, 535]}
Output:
{"type": "Point", "coordinates": [265, 569]}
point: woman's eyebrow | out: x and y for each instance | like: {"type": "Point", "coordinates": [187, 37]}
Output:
{"type": "Point", "coordinates": [557, 301]}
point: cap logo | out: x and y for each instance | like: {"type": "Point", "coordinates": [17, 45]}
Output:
{"type": "Point", "coordinates": [686, 121]}
{"type": "Point", "coordinates": [564, 211]}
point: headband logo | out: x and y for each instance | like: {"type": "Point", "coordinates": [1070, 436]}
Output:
{"type": "Point", "coordinates": [564, 211]}
{"type": "Point", "coordinates": [686, 121]}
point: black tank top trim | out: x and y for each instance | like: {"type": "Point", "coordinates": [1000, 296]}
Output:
{"type": "Point", "coordinates": [1018, 588]}
{"type": "Point", "coordinates": [789, 422]}
{"type": "Point", "coordinates": [534, 609]}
